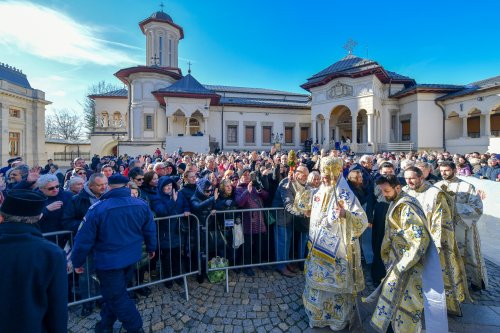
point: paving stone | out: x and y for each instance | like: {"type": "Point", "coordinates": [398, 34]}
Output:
{"type": "Point", "coordinates": [267, 303]}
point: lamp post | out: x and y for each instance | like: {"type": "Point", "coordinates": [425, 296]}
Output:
{"type": "Point", "coordinates": [117, 137]}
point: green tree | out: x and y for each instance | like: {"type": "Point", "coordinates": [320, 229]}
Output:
{"type": "Point", "coordinates": [89, 104]}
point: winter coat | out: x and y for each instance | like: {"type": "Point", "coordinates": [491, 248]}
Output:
{"type": "Point", "coordinates": [201, 204]}
{"type": "Point", "coordinates": [148, 193]}
{"type": "Point", "coordinates": [285, 197]}
{"type": "Point", "coordinates": [115, 228]}
{"type": "Point", "coordinates": [163, 205]}
{"type": "Point", "coordinates": [33, 283]}
{"type": "Point", "coordinates": [488, 172]}
{"type": "Point", "coordinates": [253, 222]}
{"type": "Point", "coordinates": [77, 207]}
{"type": "Point", "coordinates": [52, 220]}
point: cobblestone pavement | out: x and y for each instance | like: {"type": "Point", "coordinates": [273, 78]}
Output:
{"type": "Point", "coordinates": [267, 302]}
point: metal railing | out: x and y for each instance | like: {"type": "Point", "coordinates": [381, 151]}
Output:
{"type": "Point", "coordinates": [176, 258]}
{"type": "Point", "coordinates": [269, 238]}
{"type": "Point", "coordinates": [70, 156]}
{"type": "Point", "coordinates": [396, 146]}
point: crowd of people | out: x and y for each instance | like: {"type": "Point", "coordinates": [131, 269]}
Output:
{"type": "Point", "coordinates": [406, 215]}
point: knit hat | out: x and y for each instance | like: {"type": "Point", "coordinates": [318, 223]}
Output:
{"type": "Point", "coordinates": [117, 179]}
{"type": "Point", "coordinates": [242, 171]}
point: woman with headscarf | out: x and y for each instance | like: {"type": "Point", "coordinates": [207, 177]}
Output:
{"type": "Point", "coordinates": [169, 202]}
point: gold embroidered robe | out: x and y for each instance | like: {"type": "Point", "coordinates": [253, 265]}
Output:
{"type": "Point", "coordinates": [439, 221]}
{"type": "Point", "coordinates": [331, 286]}
{"type": "Point", "coordinates": [405, 242]}
{"type": "Point", "coordinates": [468, 210]}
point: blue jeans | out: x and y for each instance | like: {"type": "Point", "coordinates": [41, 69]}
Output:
{"type": "Point", "coordinates": [117, 303]}
{"type": "Point", "coordinates": [283, 239]}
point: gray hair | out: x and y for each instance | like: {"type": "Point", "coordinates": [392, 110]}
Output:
{"type": "Point", "coordinates": [405, 164]}
{"type": "Point", "coordinates": [158, 165]}
{"type": "Point", "coordinates": [365, 159]}
{"type": "Point", "coordinates": [23, 170]}
{"type": "Point", "coordinates": [423, 164]}
{"type": "Point", "coordinates": [45, 179]}
{"type": "Point", "coordinates": [93, 177]}
{"type": "Point", "coordinates": [311, 176]}
{"type": "Point", "coordinates": [72, 181]}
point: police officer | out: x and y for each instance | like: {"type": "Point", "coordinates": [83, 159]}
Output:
{"type": "Point", "coordinates": [115, 228]}
{"type": "Point", "coordinates": [33, 283]}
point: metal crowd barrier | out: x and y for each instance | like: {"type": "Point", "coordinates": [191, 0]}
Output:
{"type": "Point", "coordinates": [176, 258]}
{"type": "Point", "coordinates": [275, 243]}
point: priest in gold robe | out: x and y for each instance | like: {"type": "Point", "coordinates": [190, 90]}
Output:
{"type": "Point", "coordinates": [333, 270]}
{"type": "Point", "coordinates": [440, 226]}
{"type": "Point", "coordinates": [400, 301]}
{"type": "Point", "coordinates": [467, 211]}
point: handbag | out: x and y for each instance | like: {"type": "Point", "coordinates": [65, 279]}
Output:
{"type": "Point", "coordinates": [238, 238]}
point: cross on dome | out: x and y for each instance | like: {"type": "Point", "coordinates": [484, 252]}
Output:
{"type": "Point", "coordinates": [350, 45]}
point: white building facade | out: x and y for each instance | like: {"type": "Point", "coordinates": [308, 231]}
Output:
{"type": "Point", "coordinates": [167, 110]}
{"type": "Point", "coordinates": [22, 118]}
{"type": "Point", "coordinates": [354, 98]}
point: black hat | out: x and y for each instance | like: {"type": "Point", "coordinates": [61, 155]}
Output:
{"type": "Point", "coordinates": [238, 160]}
{"type": "Point", "coordinates": [14, 159]}
{"type": "Point", "coordinates": [117, 179]}
{"type": "Point", "coordinates": [182, 166]}
{"type": "Point", "coordinates": [23, 203]}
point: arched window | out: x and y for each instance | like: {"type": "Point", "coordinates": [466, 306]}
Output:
{"type": "Point", "coordinates": [495, 122]}
{"type": "Point", "coordinates": [117, 120]}
{"type": "Point", "coordinates": [474, 124]}
{"type": "Point", "coordinates": [193, 126]}
{"type": "Point", "coordinates": [104, 119]}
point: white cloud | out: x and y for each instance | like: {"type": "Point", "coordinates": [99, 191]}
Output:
{"type": "Point", "coordinates": [46, 33]}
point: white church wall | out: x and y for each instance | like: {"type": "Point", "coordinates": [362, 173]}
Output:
{"type": "Point", "coordinates": [258, 117]}
{"type": "Point", "coordinates": [430, 122]}
{"type": "Point", "coordinates": [408, 111]}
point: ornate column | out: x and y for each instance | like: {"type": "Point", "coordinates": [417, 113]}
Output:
{"type": "Point", "coordinates": [464, 127]}
{"type": "Point", "coordinates": [313, 134]}
{"type": "Point", "coordinates": [354, 139]}
{"type": "Point", "coordinates": [326, 134]}
{"type": "Point", "coordinates": [337, 133]}
{"type": "Point", "coordinates": [169, 125]}
{"type": "Point", "coordinates": [205, 125]}
{"type": "Point", "coordinates": [370, 127]}
{"type": "Point", "coordinates": [487, 125]}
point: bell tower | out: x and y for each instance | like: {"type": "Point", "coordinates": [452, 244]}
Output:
{"type": "Point", "coordinates": [162, 40]}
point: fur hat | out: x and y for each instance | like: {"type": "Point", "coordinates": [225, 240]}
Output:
{"type": "Point", "coordinates": [23, 203]}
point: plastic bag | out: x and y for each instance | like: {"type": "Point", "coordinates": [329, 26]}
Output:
{"type": "Point", "coordinates": [219, 275]}
{"type": "Point", "coordinates": [238, 238]}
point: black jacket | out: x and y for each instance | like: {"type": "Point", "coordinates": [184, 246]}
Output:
{"type": "Point", "coordinates": [75, 211]}
{"type": "Point", "coordinates": [33, 283]}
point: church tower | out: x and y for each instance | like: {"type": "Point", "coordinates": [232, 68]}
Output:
{"type": "Point", "coordinates": [162, 40]}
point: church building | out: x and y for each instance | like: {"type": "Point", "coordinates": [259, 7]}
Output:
{"type": "Point", "coordinates": [22, 118]}
{"type": "Point", "coordinates": [354, 98]}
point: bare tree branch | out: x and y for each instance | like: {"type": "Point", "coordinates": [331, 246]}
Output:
{"type": "Point", "coordinates": [64, 124]}
{"type": "Point", "coordinates": [88, 104]}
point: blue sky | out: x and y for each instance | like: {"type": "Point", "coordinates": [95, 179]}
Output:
{"type": "Point", "coordinates": [65, 45]}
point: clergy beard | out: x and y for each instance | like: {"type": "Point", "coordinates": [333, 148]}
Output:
{"type": "Point", "coordinates": [445, 177]}
{"type": "Point", "coordinates": [392, 198]}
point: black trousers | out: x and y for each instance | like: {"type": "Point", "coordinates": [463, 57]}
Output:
{"type": "Point", "coordinates": [256, 248]}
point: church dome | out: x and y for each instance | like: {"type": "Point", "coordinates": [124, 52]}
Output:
{"type": "Point", "coordinates": [161, 16]}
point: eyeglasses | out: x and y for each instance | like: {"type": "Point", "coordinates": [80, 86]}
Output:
{"type": "Point", "coordinates": [139, 179]}
{"type": "Point", "coordinates": [52, 188]}
{"type": "Point", "coordinates": [82, 173]}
